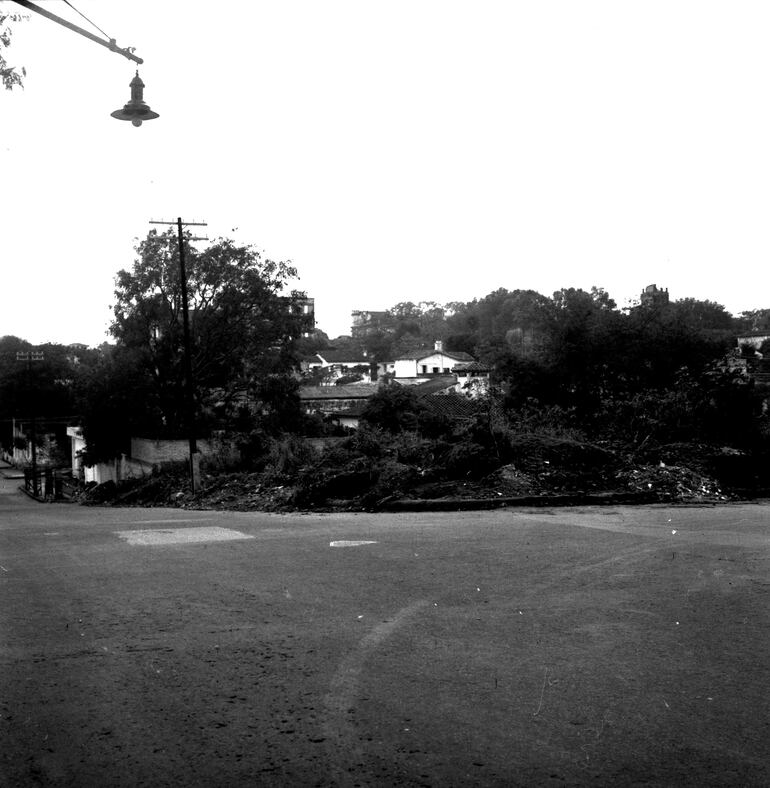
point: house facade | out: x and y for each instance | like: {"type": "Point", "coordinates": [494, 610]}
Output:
{"type": "Point", "coordinates": [754, 339]}
{"type": "Point", "coordinates": [421, 363]}
{"type": "Point", "coordinates": [328, 400]}
{"type": "Point", "coordinates": [468, 375]}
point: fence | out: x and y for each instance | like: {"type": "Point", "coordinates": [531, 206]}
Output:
{"type": "Point", "coordinates": [44, 483]}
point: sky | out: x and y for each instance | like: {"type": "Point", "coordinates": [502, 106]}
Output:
{"type": "Point", "coordinates": [414, 150]}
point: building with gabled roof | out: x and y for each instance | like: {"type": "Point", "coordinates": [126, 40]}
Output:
{"type": "Point", "coordinates": [418, 364]}
{"type": "Point", "coordinates": [328, 400]}
{"type": "Point", "coordinates": [470, 377]}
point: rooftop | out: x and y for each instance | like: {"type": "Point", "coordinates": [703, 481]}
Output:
{"type": "Point", "coordinates": [349, 391]}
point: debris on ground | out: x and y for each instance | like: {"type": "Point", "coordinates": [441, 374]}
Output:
{"type": "Point", "coordinates": [543, 469]}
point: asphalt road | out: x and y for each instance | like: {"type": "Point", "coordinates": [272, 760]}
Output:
{"type": "Point", "coordinates": [592, 646]}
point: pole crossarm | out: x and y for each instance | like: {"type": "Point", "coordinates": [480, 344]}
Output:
{"type": "Point", "coordinates": [176, 221]}
{"type": "Point", "coordinates": [108, 43]}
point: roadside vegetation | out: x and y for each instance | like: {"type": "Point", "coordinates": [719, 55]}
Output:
{"type": "Point", "coordinates": [652, 401]}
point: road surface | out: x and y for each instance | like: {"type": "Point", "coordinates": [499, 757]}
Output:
{"type": "Point", "coordinates": [590, 646]}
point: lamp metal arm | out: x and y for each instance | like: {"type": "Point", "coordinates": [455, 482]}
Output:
{"type": "Point", "coordinates": [109, 44]}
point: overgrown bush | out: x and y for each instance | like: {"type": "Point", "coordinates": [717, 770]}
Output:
{"type": "Point", "coordinates": [316, 484]}
{"type": "Point", "coordinates": [541, 419]}
{"type": "Point", "coordinates": [285, 456]}
{"type": "Point", "coordinates": [393, 409]}
{"type": "Point", "coordinates": [469, 460]}
{"type": "Point", "coordinates": [392, 479]}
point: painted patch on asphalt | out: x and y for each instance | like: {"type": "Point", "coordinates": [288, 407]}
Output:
{"type": "Point", "coordinates": [350, 543]}
{"type": "Point", "coordinates": [181, 536]}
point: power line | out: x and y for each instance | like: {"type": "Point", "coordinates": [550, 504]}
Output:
{"type": "Point", "coordinates": [87, 19]}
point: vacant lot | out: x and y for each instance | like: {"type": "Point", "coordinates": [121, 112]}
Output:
{"type": "Point", "coordinates": [622, 646]}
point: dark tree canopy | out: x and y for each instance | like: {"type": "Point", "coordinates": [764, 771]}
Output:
{"type": "Point", "coordinates": [242, 326]}
{"type": "Point", "coordinates": [42, 388]}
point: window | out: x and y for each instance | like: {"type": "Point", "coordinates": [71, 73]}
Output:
{"type": "Point", "coordinates": [446, 370]}
{"type": "Point", "coordinates": [435, 370]}
{"type": "Point", "coordinates": [424, 369]}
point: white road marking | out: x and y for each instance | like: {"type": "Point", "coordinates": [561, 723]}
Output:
{"type": "Point", "coordinates": [169, 536]}
{"type": "Point", "coordinates": [172, 520]}
{"type": "Point", "coordinates": [350, 543]}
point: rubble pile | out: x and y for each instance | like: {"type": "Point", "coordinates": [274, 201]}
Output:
{"type": "Point", "coordinates": [544, 469]}
{"type": "Point", "coordinates": [672, 483]}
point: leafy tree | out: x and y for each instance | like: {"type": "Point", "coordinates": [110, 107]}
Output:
{"type": "Point", "coordinates": [10, 76]}
{"type": "Point", "coordinates": [115, 399]}
{"type": "Point", "coordinates": [242, 327]}
{"type": "Point", "coordinates": [314, 342]}
{"type": "Point", "coordinates": [702, 315]}
{"type": "Point", "coordinates": [377, 345]}
{"type": "Point", "coordinates": [754, 320]}
{"type": "Point", "coordinates": [394, 409]}
{"type": "Point", "coordinates": [486, 327]}
{"type": "Point", "coordinates": [658, 342]}
{"type": "Point", "coordinates": [278, 405]}
{"type": "Point", "coordinates": [43, 388]}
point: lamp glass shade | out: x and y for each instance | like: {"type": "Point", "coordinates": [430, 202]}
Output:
{"type": "Point", "coordinates": [135, 110]}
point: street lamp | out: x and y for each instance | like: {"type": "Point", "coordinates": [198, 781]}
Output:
{"type": "Point", "coordinates": [135, 110]}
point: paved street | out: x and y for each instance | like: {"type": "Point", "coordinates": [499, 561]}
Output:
{"type": "Point", "coordinates": [153, 647]}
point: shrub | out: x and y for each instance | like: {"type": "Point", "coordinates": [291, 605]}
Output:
{"type": "Point", "coordinates": [285, 457]}
{"type": "Point", "coordinates": [368, 442]}
{"type": "Point", "coordinates": [392, 479]}
{"type": "Point", "coordinates": [393, 409]}
{"type": "Point", "coordinates": [469, 460]}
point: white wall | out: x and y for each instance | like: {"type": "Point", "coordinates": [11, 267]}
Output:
{"type": "Point", "coordinates": [413, 368]}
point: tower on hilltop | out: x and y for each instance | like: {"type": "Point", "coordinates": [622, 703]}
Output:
{"type": "Point", "coordinates": [652, 296]}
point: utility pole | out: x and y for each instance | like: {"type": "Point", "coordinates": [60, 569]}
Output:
{"type": "Point", "coordinates": [29, 356]}
{"type": "Point", "coordinates": [195, 471]}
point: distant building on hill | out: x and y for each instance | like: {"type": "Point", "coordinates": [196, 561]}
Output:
{"type": "Point", "coordinates": [653, 296]}
{"type": "Point", "coordinates": [302, 306]}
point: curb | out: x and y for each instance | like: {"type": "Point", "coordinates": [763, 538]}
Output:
{"type": "Point", "coordinates": [471, 504]}
{"type": "Point", "coordinates": [26, 492]}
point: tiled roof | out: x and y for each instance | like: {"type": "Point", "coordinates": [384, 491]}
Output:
{"type": "Point", "coordinates": [416, 355]}
{"type": "Point", "coordinates": [454, 406]}
{"type": "Point", "coordinates": [350, 391]}
{"type": "Point", "coordinates": [434, 385]}
{"type": "Point", "coordinates": [473, 366]}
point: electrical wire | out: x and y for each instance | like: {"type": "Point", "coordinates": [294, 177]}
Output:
{"type": "Point", "coordinates": [88, 20]}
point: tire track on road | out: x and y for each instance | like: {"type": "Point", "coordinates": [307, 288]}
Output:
{"type": "Point", "coordinates": [344, 750]}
